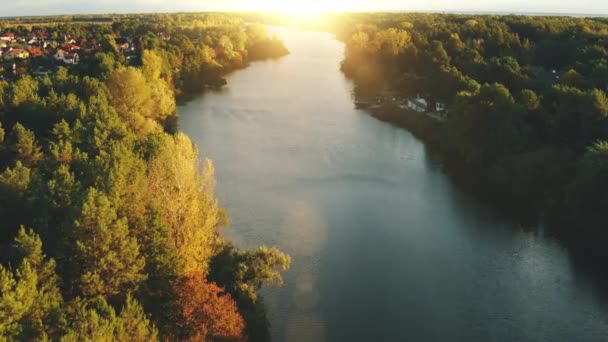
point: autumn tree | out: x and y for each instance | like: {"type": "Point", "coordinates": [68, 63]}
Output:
{"type": "Point", "coordinates": [130, 97]}
{"type": "Point", "coordinates": [242, 274]}
{"type": "Point", "coordinates": [140, 101]}
{"type": "Point", "coordinates": [152, 65]}
{"type": "Point", "coordinates": [207, 312]}
{"type": "Point", "coordinates": [187, 203]}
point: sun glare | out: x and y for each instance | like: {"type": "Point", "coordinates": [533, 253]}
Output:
{"type": "Point", "coordinates": [308, 8]}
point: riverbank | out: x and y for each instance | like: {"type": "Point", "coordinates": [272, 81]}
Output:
{"type": "Point", "coordinates": [525, 209]}
{"type": "Point", "coordinates": [528, 210]}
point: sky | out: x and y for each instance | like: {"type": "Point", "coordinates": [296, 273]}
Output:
{"type": "Point", "coordinates": [44, 7]}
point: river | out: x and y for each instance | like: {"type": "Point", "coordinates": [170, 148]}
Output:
{"type": "Point", "coordinates": [384, 246]}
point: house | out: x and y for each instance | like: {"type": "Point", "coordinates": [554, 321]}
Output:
{"type": "Point", "coordinates": [66, 57]}
{"type": "Point", "coordinates": [12, 54]}
{"type": "Point", "coordinates": [418, 104]}
{"type": "Point", "coordinates": [8, 37]}
{"type": "Point", "coordinates": [440, 107]}
{"type": "Point", "coordinates": [35, 51]}
{"type": "Point", "coordinates": [122, 43]}
{"type": "Point", "coordinates": [70, 47]}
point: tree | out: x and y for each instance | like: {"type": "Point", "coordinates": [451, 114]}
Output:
{"type": "Point", "coordinates": [133, 323]}
{"type": "Point", "coordinates": [3, 88]}
{"type": "Point", "coordinates": [163, 100]}
{"type": "Point", "coordinates": [207, 313]}
{"type": "Point", "coordinates": [572, 78]}
{"type": "Point", "coordinates": [152, 65]}
{"type": "Point", "coordinates": [158, 293]}
{"type": "Point", "coordinates": [131, 97]}
{"type": "Point", "coordinates": [244, 273]}
{"type": "Point", "coordinates": [438, 54]}
{"type": "Point", "coordinates": [1, 131]}
{"type": "Point", "coordinates": [256, 33]}
{"type": "Point", "coordinates": [29, 297]}
{"type": "Point", "coordinates": [106, 253]}
{"type": "Point", "coordinates": [186, 202]}
{"type": "Point", "coordinates": [137, 100]}
{"type": "Point", "coordinates": [24, 145]}
{"type": "Point", "coordinates": [96, 320]}
{"type": "Point", "coordinates": [530, 100]}
{"type": "Point", "coordinates": [15, 205]}
{"type": "Point", "coordinates": [358, 42]}
{"type": "Point", "coordinates": [105, 64]}
{"type": "Point", "coordinates": [392, 42]}
{"type": "Point", "coordinates": [24, 90]}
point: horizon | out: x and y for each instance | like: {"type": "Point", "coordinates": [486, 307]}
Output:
{"type": "Point", "coordinates": [454, 12]}
{"type": "Point", "coordinates": [28, 8]}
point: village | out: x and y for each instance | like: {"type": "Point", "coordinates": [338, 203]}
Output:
{"type": "Point", "coordinates": [39, 54]}
{"type": "Point", "coordinates": [419, 104]}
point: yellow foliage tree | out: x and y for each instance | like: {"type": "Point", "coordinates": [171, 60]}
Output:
{"type": "Point", "coordinates": [189, 207]}
{"type": "Point", "coordinates": [140, 101]}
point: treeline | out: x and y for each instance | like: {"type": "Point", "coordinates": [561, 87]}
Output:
{"type": "Point", "coordinates": [526, 98]}
{"type": "Point", "coordinates": [110, 227]}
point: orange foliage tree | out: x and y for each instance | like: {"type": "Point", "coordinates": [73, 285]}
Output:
{"type": "Point", "coordinates": [208, 313]}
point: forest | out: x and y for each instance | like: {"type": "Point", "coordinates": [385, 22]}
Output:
{"type": "Point", "coordinates": [111, 229]}
{"type": "Point", "coordinates": [527, 113]}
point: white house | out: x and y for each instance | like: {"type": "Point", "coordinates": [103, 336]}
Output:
{"type": "Point", "coordinates": [439, 107]}
{"type": "Point", "coordinates": [8, 37]}
{"type": "Point", "coordinates": [418, 104]}
{"type": "Point", "coordinates": [67, 57]}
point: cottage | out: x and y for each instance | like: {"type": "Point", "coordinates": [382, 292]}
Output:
{"type": "Point", "coordinates": [8, 37]}
{"type": "Point", "coordinates": [418, 104]}
{"type": "Point", "coordinates": [122, 43]}
{"type": "Point", "coordinates": [12, 54]}
{"type": "Point", "coordinates": [66, 57]}
{"type": "Point", "coordinates": [35, 51]}
{"type": "Point", "coordinates": [70, 47]}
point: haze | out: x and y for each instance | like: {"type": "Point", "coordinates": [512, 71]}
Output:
{"type": "Point", "coordinates": [45, 7]}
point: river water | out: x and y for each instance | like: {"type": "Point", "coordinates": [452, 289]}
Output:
{"type": "Point", "coordinates": [384, 247]}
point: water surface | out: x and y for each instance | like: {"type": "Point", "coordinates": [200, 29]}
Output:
{"type": "Point", "coordinates": [383, 245]}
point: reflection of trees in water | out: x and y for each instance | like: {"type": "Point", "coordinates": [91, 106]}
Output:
{"type": "Point", "coordinates": [256, 318]}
